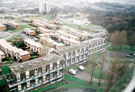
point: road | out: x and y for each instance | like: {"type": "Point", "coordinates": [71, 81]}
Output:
{"type": "Point", "coordinates": [13, 34]}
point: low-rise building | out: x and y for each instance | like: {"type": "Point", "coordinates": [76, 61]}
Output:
{"type": "Point", "coordinates": [2, 27]}
{"type": "Point", "coordinates": [31, 74]}
{"type": "Point", "coordinates": [82, 36]}
{"type": "Point", "coordinates": [78, 53]}
{"type": "Point", "coordinates": [43, 30]}
{"type": "Point", "coordinates": [14, 25]}
{"type": "Point", "coordinates": [44, 24]}
{"type": "Point", "coordinates": [29, 31]}
{"type": "Point", "coordinates": [66, 35]}
{"type": "Point", "coordinates": [37, 47]}
{"type": "Point", "coordinates": [2, 55]}
{"type": "Point", "coordinates": [27, 20]}
{"type": "Point", "coordinates": [38, 23]}
{"type": "Point", "coordinates": [14, 52]}
{"type": "Point", "coordinates": [51, 43]}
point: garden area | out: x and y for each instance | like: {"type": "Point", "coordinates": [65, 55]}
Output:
{"type": "Point", "coordinates": [28, 26]}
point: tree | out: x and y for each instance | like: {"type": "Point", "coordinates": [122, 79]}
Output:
{"type": "Point", "coordinates": [103, 59]}
{"type": "Point", "coordinates": [118, 39]}
{"type": "Point", "coordinates": [117, 69]}
{"type": "Point", "coordinates": [131, 39]}
{"type": "Point", "coordinates": [91, 65]}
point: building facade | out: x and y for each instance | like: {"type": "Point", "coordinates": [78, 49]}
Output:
{"type": "Point", "coordinates": [31, 74]}
{"type": "Point", "coordinates": [44, 7]}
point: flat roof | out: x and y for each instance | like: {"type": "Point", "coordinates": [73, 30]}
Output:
{"type": "Point", "coordinates": [35, 63]}
{"type": "Point", "coordinates": [2, 53]}
{"type": "Point", "coordinates": [33, 43]}
{"type": "Point", "coordinates": [77, 46]}
{"type": "Point", "coordinates": [8, 46]}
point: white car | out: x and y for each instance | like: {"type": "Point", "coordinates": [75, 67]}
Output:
{"type": "Point", "coordinates": [72, 71]}
{"type": "Point", "coordinates": [81, 67]}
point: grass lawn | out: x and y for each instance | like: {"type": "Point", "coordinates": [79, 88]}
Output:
{"type": "Point", "coordinates": [96, 73]}
{"type": "Point", "coordinates": [78, 83]}
{"type": "Point", "coordinates": [1, 37]}
{"type": "Point", "coordinates": [73, 25]}
{"type": "Point", "coordinates": [53, 86]}
{"type": "Point", "coordinates": [2, 83]}
{"type": "Point", "coordinates": [5, 70]}
{"type": "Point", "coordinates": [28, 26]}
{"type": "Point", "coordinates": [13, 31]}
{"type": "Point", "coordinates": [123, 49]}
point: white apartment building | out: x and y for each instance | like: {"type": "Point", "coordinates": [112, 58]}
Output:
{"type": "Point", "coordinates": [44, 7]}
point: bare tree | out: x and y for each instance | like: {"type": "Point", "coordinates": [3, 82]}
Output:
{"type": "Point", "coordinates": [103, 59]}
{"type": "Point", "coordinates": [92, 64]}
{"type": "Point", "coordinates": [131, 39]}
{"type": "Point", "coordinates": [118, 39]}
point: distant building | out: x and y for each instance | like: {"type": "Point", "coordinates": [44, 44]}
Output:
{"type": "Point", "coordinates": [2, 27]}
{"type": "Point", "coordinates": [44, 7]}
{"type": "Point", "coordinates": [14, 25]}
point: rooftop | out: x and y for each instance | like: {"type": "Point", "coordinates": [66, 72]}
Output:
{"type": "Point", "coordinates": [35, 63]}
{"type": "Point", "coordinates": [77, 46]}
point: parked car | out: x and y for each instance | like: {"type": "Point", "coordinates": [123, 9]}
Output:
{"type": "Point", "coordinates": [72, 71]}
{"type": "Point", "coordinates": [81, 67]}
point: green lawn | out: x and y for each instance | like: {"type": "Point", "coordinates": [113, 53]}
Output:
{"type": "Point", "coordinates": [123, 49]}
{"type": "Point", "coordinates": [1, 37]}
{"type": "Point", "coordinates": [13, 31]}
{"type": "Point", "coordinates": [78, 83]}
{"type": "Point", "coordinates": [28, 26]}
{"type": "Point", "coordinates": [96, 73]}
{"type": "Point", "coordinates": [5, 70]}
{"type": "Point", "coordinates": [2, 83]}
{"type": "Point", "coordinates": [53, 86]}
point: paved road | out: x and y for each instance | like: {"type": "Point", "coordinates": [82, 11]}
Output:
{"type": "Point", "coordinates": [75, 90]}
{"type": "Point", "coordinates": [13, 34]}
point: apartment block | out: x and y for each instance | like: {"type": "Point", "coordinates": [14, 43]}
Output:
{"type": "Point", "coordinates": [29, 32]}
{"type": "Point", "coordinates": [44, 7]}
{"type": "Point", "coordinates": [2, 27]}
{"type": "Point", "coordinates": [14, 25]}
{"type": "Point", "coordinates": [44, 31]}
{"type": "Point", "coordinates": [57, 22]}
{"type": "Point", "coordinates": [44, 24]}
{"type": "Point", "coordinates": [66, 35]}
{"type": "Point", "coordinates": [2, 55]}
{"type": "Point", "coordinates": [51, 43]}
{"type": "Point", "coordinates": [27, 20]}
{"type": "Point", "coordinates": [31, 74]}
{"type": "Point", "coordinates": [64, 40]}
{"type": "Point", "coordinates": [49, 26]}
{"type": "Point", "coordinates": [14, 52]}
{"type": "Point", "coordinates": [38, 23]}
{"type": "Point", "coordinates": [78, 53]}
{"type": "Point", "coordinates": [82, 36]}
{"type": "Point", "coordinates": [36, 46]}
